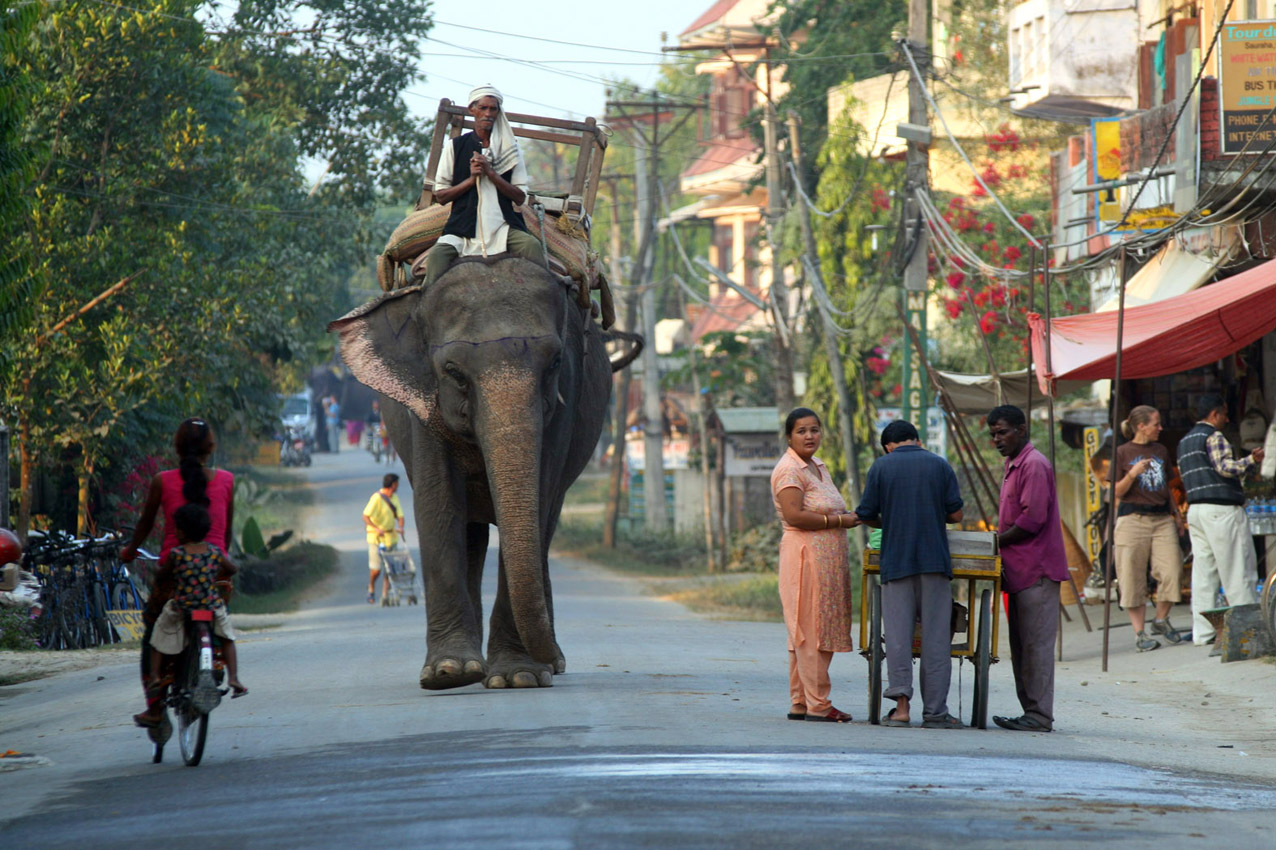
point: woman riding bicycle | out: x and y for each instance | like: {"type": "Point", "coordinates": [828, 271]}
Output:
{"type": "Point", "coordinates": [192, 482]}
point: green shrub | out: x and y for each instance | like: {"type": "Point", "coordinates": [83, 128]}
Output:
{"type": "Point", "coordinates": [267, 586]}
{"type": "Point", "coordinates": [17, 631]}
{"type": "Point", "coordinates": [757, 597]}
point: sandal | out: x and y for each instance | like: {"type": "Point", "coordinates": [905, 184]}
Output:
{"type": "Point", "coordinates": [238, 690]}
{"type": "Point", "coordinates": [834, 716]}
{"type": "Point", "coordinates": [945, 722]}
{"type": "Point", "coordinates": [889, 719]}
{"type": "Point", "coordinates": [371, 598]}
{"type": "Point", "coordinates": [148, 721]}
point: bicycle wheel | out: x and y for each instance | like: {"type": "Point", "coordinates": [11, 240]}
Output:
{"type": "Point", "coordinates": [875, 654]}
{"type": "Point", "coordinates": [192, 724]}
{"type": "Point", "coordinates": [99, 604]}
{"type": "Point", "coordinates": [192, 732]}
{"type": "Point", "coordinates": [1269, 604]}
{"type": "Point", "coordinates": [70, 617]}
{"type": "Point", "coordinates": [983, 661]}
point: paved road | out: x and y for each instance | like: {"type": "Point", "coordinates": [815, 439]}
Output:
{"type": "Point", "coordinates": [667, 731]}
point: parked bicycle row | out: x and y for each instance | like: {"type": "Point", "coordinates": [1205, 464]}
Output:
{"type": "Point", "coordinates": [78, 591]}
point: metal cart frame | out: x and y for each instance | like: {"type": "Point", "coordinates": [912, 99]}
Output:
{"type": "Point", "coordinates": [981, 637]}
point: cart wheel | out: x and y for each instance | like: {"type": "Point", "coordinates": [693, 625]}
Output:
{"type": "Point", "coordinates": [385, 602]}
{"type": "Point", "coordinates": [1269, 604]}
{"type": "Point", "coordinates": [875, 654]}
{"type": "Point", "coordinates": [983, 661]}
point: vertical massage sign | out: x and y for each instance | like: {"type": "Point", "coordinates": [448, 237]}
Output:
{"type": "Point", "coordinates": [1247, 85]}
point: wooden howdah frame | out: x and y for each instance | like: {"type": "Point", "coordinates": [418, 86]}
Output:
{"type": "Point", "coordinates": [453, 119]}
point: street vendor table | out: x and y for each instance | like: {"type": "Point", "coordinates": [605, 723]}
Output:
{"type": "Point", "coordinates": [976, 562]}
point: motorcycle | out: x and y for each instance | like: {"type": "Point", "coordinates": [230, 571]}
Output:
{"type": "Point", "coordinates": [294, 449]}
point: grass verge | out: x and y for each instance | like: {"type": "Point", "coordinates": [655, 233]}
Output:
{"type": "Point", "coordinates": [277, 584]}
{"type": "Point", "coordinates": [750, 597]}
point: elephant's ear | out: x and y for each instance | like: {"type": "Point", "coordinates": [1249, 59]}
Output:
{"type": "Point", "coordinates": [384, 348]}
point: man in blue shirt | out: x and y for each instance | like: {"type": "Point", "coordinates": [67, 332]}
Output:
{"type": "Point", "coordinates": [911, 494]}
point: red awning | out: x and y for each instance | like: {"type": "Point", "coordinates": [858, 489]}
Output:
{"type": "Point", "coordinates": [1162, 338]}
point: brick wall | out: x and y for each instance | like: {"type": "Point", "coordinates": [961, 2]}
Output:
{"type": "Point", "coordinates": [1143, 134]}
{"type": "Point", "coordinates": [1211, 129]}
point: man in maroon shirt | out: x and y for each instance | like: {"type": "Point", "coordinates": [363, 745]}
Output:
{"type": "Point", "coordinates": [1033, 563]}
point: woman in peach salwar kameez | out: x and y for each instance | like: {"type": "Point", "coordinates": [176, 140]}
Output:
{"type": "Point", "coordinates": [815, 579]}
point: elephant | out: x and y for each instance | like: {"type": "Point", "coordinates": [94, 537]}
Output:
{"type": "Point", "coordinates": [495, 384]}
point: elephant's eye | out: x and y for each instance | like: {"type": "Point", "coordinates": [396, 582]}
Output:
{"type": "Point", "coordinates": [556, 362]}
{"type": "Point", "coordinates": [456, 375]}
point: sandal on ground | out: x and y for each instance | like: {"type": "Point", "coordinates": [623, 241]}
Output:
{"type": "Point", "coordinates": [834, 716]}
{"type": "Point", "coordinates": [891, 720]}
{"type": "Point", "coordinates": [1021, 724]}
{"type": "Point", "coordinates": [797, 715]}
{"type": "Point", "coordinates": [238, 690]}
{"type": "Point", "coordinates": [372, 598]}
{"type": "Point", "coordinates": [945, 722]}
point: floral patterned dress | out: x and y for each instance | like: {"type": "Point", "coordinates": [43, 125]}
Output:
{"type": "Point", "coordinates": [815, 578]}
{"type": "Point", "coordinates": [194, 575]}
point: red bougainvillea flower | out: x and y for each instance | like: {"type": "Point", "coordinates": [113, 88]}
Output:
{"type": "Point", "coordinates": [895, 390]}
{"type": "Point", "coordinates": [1026, 221]}
{"type": "Point", "coordinates": [977, 190]}
{"type": "Point", "coordinates": [956, 279]}
{"type": "Point", "coordinates": [877, 365]}
{"type": "Point", "coordinates": [1011, 253]}
{"type": "Point", "coordinates": [957, 203]}
{"type": "Point", "coordinates": [981, 298]}
{"type": "Point", "coordinates": [989, 322]}
{"type": "Point", "coordinates": [957, 262]}
{"type": "Point", "coordinates": [991, 175]}
{"type": "Point", "coordinates": [954, 308]}
{"type": "Point", "coordinates": [989, 227]}
{"type": "Point", "coordinates": [998, 296]}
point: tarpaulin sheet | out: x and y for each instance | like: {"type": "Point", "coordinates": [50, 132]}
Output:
{"type": "Point", "coordinates": [1162, 338]}
{"type": "Point", "coordinates": [975, 395]}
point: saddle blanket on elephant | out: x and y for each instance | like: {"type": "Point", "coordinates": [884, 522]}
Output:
{"type": "Point", "coordinates": [403, 260]}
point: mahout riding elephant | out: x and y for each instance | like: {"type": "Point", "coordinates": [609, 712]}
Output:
{"type": "Point", "coordinates": [496, 383]}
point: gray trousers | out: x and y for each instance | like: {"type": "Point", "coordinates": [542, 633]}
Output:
{"type": "Point", "coordinates": [517, 243]}
{"type": "Point", "coordinates": [1033, 623]}
{"type": "Point", "coordinates": [929, 594]}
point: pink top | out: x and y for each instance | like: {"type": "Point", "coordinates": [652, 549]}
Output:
{"type": "Point", "coordinates": [220, 491]}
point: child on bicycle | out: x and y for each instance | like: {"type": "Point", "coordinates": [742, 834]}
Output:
{"type": "Point", "coordinates": [185, 581]}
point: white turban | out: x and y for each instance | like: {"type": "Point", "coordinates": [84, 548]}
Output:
{"type": "Point", "coordinates": [504, 145]}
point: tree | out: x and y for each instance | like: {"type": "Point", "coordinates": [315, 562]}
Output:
{"type": "Point", "coordinates": [170, 157]}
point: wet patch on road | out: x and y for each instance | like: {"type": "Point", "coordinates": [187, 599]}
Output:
{"type": "Point", "coordinates": [521, 790]}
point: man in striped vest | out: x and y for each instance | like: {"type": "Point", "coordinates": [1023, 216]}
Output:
{"type": "Point", "coordinates": [1222, 551]}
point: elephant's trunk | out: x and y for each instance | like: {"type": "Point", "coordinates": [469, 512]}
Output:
{"type": "Point", "coordinates": [509, 427]}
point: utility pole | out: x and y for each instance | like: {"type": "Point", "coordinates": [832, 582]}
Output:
{"type": "Point", "coordinates": [620, 411]}
{"type": "Point", "coordinates": [917, 174]}
{"type": "Point", "coordinates": [645, 128]}
{"type": "Point", "coordinates": [846, 428]}
{"type": "Point", "coordinates": [785, 399]}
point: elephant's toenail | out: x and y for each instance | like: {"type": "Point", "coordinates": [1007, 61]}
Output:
{"type": "Point", "coordinates": [523, 679]}
{"type": "Point", "coordinates": [495, 682]}
{"type": "Point", "coordinates": [474, 667]}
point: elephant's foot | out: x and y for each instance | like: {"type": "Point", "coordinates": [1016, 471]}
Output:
{"type": "Point", "coordinates": [446, 669]}
{"type": "Point", "coordinates": [560, 664]}
{"type": "Point", "coordinates": [518, 671]}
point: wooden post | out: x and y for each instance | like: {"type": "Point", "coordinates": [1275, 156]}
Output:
{"type": "Point", "coordinates": [1109, 568]}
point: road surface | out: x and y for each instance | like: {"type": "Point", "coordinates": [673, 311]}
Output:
{"type": "Point", "coordinates": [668, 730]}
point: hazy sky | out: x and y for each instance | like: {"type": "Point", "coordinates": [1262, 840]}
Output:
{"type": "Point", "coordinates": [560, 80]}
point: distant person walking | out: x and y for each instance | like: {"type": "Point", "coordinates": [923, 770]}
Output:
{"type": "Point", "coordinates": [1033, 563]}
{"type": "Point", "coordinates": [332, 414]}
{"type": "Point", "coordinates": [1222, 550]}
{"type": "Point", "coordinates": [383, 520]}
{"type": "Point", "coordinates": [815, 579]}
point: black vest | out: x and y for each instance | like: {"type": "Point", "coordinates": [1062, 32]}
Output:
{"type": "Point", "coordinates": [463, 219]}
{"type": "Point", "coordinates": [1203, 484]}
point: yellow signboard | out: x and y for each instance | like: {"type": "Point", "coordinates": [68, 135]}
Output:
{"type": "Point", "coordinates": [128, 624]}
{"type": "Point", "coordinates": [1093, 492]}
{"type": "Point", "coordinates": [1247, 85]}
{"type": "Point", "coordinates": [1107, 166]}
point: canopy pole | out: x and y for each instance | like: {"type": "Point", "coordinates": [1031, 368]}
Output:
{"type": "Point", "coordinates": [1045, 285]}
{"type": "Point", "coordinates": [1109, 567]}
{"type": "Point", "coordinates": [1032, 291]}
